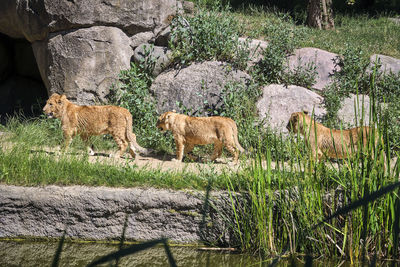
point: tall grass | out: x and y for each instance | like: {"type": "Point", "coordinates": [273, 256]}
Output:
{"type": "Point", "coordinates": [347, 208]}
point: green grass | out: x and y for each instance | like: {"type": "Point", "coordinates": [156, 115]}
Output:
{"type": "Point", "coordinates": [376, 35]}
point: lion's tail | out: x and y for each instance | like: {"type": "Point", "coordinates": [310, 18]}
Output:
{"type": "Point", "coordinates": [133, 145]}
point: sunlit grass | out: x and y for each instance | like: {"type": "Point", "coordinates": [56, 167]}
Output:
{"type": "Point", "coordinates": [375, 35]}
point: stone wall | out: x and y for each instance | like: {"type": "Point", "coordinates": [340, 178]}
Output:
{"type": "Point", "coordinates": [99, 213]}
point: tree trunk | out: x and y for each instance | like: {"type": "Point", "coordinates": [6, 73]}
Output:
{"type": "Point", "coordinates": [319, 14]}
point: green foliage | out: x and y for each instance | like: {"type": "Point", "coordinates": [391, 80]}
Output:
{"type": "Point", "coordinates": [303, 206]}
{"type": "Point", "coordinates": [132, 92]}
{"type": "Point", "coordinates": [283, 38]}
{"type": "Point", "coordinates": [208, 35]}
{"type": "Point", "coordinates": [357, 76]}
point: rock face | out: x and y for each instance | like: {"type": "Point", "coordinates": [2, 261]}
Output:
{"type": "Point", "coordinates": [322, 59]}
{"type": "Point", "coordinates": [83, 64]}
{"type": "Point", "coordinates": [352, 107]}
{"type": "Point", "coordinates": [197, 88]}
{"type": "Point", "coordinates": [35, 19]}
{"type": "Point", "coordinates": [279, 102]}
{"type": "Point", "coordinates": [80, 46]}
{"type": "Point", "coordinates": [99, 213]}
{"type": "Point", "coordinates": [389, 64]}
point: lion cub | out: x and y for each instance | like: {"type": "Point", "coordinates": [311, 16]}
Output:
{"type": "Point", "coordinates": [330, 143]}
{"type": "Point", "coordinates": [94, 120]}
{"type": "Point", "coordinates": [190, 131]}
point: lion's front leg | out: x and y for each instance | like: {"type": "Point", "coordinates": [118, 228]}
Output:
{"type": "Point", "coordinates": [179, 148]}
{"type": "Point", "coordinates": [67, 139]}
{"type": "Point", "coordinates": [85, 138]}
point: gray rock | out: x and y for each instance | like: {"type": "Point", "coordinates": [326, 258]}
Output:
{"type": "Point", "coordinates": [161, 55]}
{"type": "Point", "coordinates": [322, 59]}
{"type": "Point", "coordinates": [351, 106]}
{"type": "Point", "coordinates": [389, 64]}
{"type": "Point", "coordinates": [141, 38]}
{"type": "Point", "coordinates": [35, 19]}
{"type": "Point", "coordinates": [279, 102]}
{"type": "Point", "coordinates": [198, 87]}
{"type": "Point", "coordinates": [83, 64]}
{"type": "Point", "coordinates": [99, 213]}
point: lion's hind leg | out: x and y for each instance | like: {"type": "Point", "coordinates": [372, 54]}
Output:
{"type": "Point", "coordinates": [186, 152]}
{"type": "Point", "coordinates": [122, 144]}
{"type": "Point", "coordinates": [218, 145]}
{"type": "Point", "coordinates": [234, 151]}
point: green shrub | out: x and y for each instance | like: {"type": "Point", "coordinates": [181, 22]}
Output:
{"type": "Point", "coordinates": [208, 35]}
{"type": "Point", "coordinates": [357, 76]}
{"type": "Point", "coordinates": [283, 38]}
{"type": "Point", "coordinates": [132, 92]}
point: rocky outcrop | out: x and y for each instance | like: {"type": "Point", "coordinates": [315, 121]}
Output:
{"type": "Point", "coordinates": [197, 88]}
{"type": "Point", "coordinates": [83, 64]}
{"type": "Point", "coordinates": [99, 213]}
{"type": "Point", "coordinates": [279, 102]}
{"type": "Point", "coordinates": [34, 20]}
{"type": "Point", "coordinates": [321, 59]}
{"type": "Point", "coordinates": [81, 46]}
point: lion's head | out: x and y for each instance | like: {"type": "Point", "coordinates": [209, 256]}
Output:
{"type": "Point", "coordinates": [163, 121]}
{"type": "Point", "coordinates": [296, 121]}
{"type": "Point", "coordinates": [54, 105]}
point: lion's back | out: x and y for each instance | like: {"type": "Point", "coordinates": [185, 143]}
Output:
{"type": "Point", "coordinates": [102, 119]}
{"type": "Point", "coordinates": [206, 130]}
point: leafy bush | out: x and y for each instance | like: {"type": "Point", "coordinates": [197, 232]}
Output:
{"type": "Point", "coordinates": [132, 92]}
{"type": "Point", "coordinates": [283, 38]}
{"type": "Point", "coordinates": [208, 35]}
{"type": "Point", "coordinates": [357, 76]}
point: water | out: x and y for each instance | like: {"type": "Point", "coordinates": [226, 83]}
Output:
{"type": "Point", "coordinates": [35, 253]}
{"type": "Point", "coordinates": [41, 253]}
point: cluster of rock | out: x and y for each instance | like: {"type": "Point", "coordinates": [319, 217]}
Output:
{"type": "Point", "coordinates": [81, 46]}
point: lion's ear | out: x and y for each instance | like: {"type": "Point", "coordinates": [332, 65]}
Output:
{"type": "Point", "coordinates": [305, 112]}
{"type": "Point", "coordinates": [62, 99]}
{"type": "Point", "coordinates": [174, 110]}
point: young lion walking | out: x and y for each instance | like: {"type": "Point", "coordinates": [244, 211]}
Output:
{"type": "Point", "coordinates": [190, 131]}
{"type": "Point", "coordinates": [326, 142]}
{"type": "Point", "coordinates": [94, 120]}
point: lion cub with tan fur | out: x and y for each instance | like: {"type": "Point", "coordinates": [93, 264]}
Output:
{"type": "Point", "coordinates": [190, 131]}
{"type": "Point", "coordinates": [94, 120]}
{"type": "Point", "coordinates": [330, 143]}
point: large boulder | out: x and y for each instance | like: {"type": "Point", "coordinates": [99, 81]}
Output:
{"type": "Point", "coordinates": [353, 109]}
{"type": "Point", "coordinates": [279, 102]}
{"type": "Point", "coordinates": [197, 88]}
{"type": "Point", "coordinates": [83, 64]}
{"type": "Point", "coordinates": [35, 19]}
{"type": "Point", "coordinates": [389, 64]}
{"type": "Point", "coordinates": [323, 60]}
